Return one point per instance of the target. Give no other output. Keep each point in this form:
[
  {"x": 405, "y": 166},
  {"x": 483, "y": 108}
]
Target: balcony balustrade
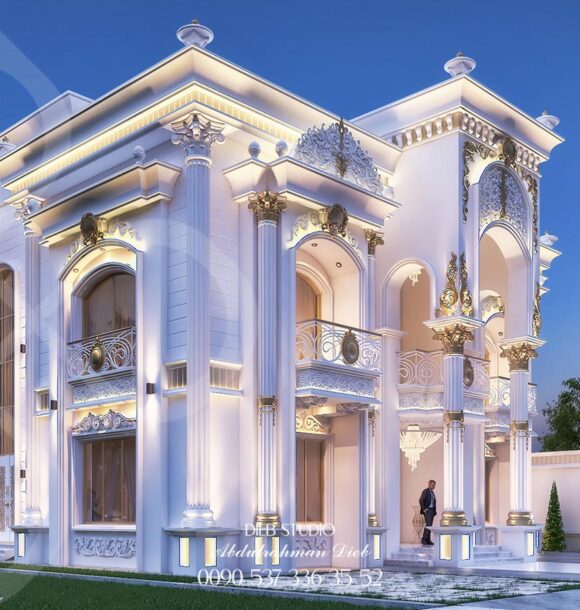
[
  {"x": 338, "y": 362},
  {"x": 102, "y": 368}
]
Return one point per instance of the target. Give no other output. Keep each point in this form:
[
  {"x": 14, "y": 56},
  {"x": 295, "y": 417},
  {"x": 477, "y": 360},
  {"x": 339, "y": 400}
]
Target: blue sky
[{"x": 348, "y": 57}]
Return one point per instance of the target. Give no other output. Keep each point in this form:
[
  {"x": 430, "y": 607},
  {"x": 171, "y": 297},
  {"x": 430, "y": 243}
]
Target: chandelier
[{"x": 414, "y": 442}]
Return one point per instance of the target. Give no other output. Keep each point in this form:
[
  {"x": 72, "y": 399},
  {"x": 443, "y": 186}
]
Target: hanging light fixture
[{"x": 414, "y": 441}]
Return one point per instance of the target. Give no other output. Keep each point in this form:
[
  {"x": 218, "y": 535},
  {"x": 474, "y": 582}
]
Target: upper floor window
[
  {"x": 110, "y": 305},
  {"x": 6, "y": 362}
]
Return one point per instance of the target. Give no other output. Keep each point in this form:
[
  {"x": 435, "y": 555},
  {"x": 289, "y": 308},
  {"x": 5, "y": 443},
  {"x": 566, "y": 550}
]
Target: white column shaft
[
  {"x": 453, "y": 441},
  {"x": 267, "y": 365},
  {"x": 520, "y": 443}
]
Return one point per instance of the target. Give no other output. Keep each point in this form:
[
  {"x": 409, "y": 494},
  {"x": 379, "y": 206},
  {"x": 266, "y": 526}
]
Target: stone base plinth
[
  {"x": 454, "y": 545},
  {"x": 522, "y": 540}
]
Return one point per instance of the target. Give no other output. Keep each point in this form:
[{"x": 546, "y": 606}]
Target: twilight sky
[{"x": 348, "y": 57}]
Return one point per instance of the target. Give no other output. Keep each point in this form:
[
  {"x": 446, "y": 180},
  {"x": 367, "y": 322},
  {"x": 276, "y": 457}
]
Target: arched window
[
  {"x": 6, "y": 362},
  {"x": 110, "y": 305}
]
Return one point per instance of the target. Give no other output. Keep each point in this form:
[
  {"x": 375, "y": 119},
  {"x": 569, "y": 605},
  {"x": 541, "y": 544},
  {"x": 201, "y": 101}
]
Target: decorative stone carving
[
  {"x": 491, "y": 306},
  {"x": 470, "y": 149},
  {"x": 112, "y": 229},
  {"x": 330, "y": 381},
  {"x": 267, "y": 404},
  {"x": 109, "y": 422},
  {"x": 333, "y": 149},
  {"x": 374, "y": 239},
  {"x": 312, "y": 222},
  {"x": 449, "y": 296},
  {"x": 103, "y": 389},
  {"x": 501, "y": 198},
  {"x": 197, "y": 133},
  {"x": 267, "y": 206},
  {"x": 453, "y": 338},
  {"x": 519, "y": 355},
  {"x": 310, "y": 424},
  {"x": 26, "y": 207},
  {"x": 88, "y": 546},
  {"x": 334, "y": 220},
  {"x": 536, "y": 315},
  {"x": 464, "y": 292},
  {"x": 425, "y": 401}
]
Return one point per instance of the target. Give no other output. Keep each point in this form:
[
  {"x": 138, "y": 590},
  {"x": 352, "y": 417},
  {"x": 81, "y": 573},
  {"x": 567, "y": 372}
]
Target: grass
[{"x": 24, "y": 591}]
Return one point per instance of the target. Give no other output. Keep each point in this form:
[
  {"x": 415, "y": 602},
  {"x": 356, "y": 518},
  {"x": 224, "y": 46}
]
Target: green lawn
[{"x": 23, "y": 591}]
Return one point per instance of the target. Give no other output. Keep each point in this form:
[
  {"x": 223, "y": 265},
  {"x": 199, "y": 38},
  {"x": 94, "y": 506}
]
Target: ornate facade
[{"x": 247, "y": 323}]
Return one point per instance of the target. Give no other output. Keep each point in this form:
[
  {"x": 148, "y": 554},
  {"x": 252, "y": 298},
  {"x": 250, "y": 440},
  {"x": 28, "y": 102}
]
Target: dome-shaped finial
[
  {"x": 194, "y": 34},
  {"x": 459, "y": 65},
  {"x": 548, "y": 120}
]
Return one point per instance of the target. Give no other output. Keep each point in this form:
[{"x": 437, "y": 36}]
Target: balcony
[
  {"x": 498, "y": 406},
  {"x": 336, "y": 363},
  {"x": 101, "y": 369},
  {"x": 421, "y": 382}
]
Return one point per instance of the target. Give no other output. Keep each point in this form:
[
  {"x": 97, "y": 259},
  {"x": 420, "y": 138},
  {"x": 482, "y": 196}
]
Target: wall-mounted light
[
  {"x": 22, "y": 473},
  {"x": 53, "y": 405},
  {"x": 150, "y": 388},
  {"x": 21, "y": 544},
  {"x": 23, "y": 348},
  {"x": 184, "y": 552}
]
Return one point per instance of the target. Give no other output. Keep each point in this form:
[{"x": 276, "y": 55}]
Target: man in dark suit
[{"x": 428, "y": 504}]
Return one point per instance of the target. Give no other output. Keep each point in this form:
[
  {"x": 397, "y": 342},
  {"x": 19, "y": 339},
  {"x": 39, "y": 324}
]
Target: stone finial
[
  {"x": 6, "y": 146},
  {"x": 194, "y": 35},
  {"x": 281, "y": 148},
  {"x": 139, "y": 154},
  {"x": 460, "y": 65},
  {"x": 548, "y": 120},
  {"x": 254, "y": 149}
]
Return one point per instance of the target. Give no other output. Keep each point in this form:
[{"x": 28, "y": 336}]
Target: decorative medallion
[
  {"x": 97, "y": 355},
  {"x": 350, "y": 348},
  {"x": 449, "y": 297},
  {"x": 464, "y": 292},
  {"x": 109, "y": 422},
  {"x": 90, "y": 229},
  {"x": 537, "y": 316},
  {"x": 508, "y": 151},
  {"x": 335, "y": 220},
  {"x": 519, "y": 356},
  {"x": 468, "y": 373},
  {"x": 333, "y": 149}
]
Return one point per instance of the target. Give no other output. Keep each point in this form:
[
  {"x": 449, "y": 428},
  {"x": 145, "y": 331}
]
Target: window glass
[
  {"x": 110, "y": 305},
  {"x": 109, "y": 481},
  {"x": 6, "y": 362}
]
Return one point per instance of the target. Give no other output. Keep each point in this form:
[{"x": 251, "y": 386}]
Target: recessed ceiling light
[
  {"x": 339, "y": 265},
  {"x": 314, "y": 244},
  {"x": 500, "y": 333}
]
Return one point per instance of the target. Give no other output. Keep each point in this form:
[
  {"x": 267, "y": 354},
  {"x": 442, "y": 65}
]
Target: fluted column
[
  {"x": 373, "y": 239},
  {"x": 32, "y": 514},
  {"x": 519, "y": 355},
  {"x": 267, "y": 206},
  {"x": 196, "y": 134},
  {"x": 453, "y": 340}
]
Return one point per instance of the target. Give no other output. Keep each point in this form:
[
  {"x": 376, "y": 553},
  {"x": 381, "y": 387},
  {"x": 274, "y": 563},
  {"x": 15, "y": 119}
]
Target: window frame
[{"x": 7, "y": 443}]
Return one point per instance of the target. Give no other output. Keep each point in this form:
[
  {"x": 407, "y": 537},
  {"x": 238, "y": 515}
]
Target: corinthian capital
[
  {"x": 26, "y": 206},
  {"x": 374, "y": 239},
  {"x": 519, "y": 355},
  {"x": 197, "y": 133},
  {"x": 453, "y": 338},
  {"x": 267, "y": 205}
]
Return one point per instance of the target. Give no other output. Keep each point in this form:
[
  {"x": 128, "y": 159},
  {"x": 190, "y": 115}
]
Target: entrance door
[{"x": 6, "y": 498}]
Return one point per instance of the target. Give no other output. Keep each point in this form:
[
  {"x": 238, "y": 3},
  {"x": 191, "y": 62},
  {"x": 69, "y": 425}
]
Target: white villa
[{"x": 238, "y": 331}]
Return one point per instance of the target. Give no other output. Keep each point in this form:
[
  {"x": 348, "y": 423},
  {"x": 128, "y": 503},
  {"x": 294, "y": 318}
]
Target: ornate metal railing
[
  {"x": 338, "y": 344},
  {"x": 499, "y": 394},
  {"x": 425, "y": 369},
  {"x": 112, "y": 351}
]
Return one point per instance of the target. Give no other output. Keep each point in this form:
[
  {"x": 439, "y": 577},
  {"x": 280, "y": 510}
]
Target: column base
[
  {"x": 197, "y": 517},
  {"x": 454, "y": 545},
  {"x": 267, "y": 520},
  {"x": 453, "y": 518},
  {"x": 520, "y": 518},
  {"x": 373, "y": 520},
  {"x": 522, "y": 540}
]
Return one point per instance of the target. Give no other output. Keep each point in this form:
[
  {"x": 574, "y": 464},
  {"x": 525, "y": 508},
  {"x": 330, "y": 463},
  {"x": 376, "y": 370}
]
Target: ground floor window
[
  {"x": 309, "y": 479},
  {"x": 109, "y": 481}
]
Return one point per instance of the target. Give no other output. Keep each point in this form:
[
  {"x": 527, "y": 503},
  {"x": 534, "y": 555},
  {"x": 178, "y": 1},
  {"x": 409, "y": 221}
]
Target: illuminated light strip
[{"x": 130, "y": 125}]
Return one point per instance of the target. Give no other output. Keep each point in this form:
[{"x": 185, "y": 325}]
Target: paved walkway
[{"x": 562, "y": 600}]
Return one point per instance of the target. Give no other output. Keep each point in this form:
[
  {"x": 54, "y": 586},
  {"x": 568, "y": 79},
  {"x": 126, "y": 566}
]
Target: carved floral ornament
[
  {"x": 453, "y": 338},
  {"x": 267, "y": 206},
  {"x": 333, "y": 149},
  {"x": 536, "y": 315},
  {"x": 374, "y": 239},
  {"x": 450, "y": 297},
  {"x": 109, "y": 422},
  {"x": 197, "y": 133},
  {"x": 500, "y": 195},
  {"x": 92, "y": 233},
  {"x": 519, "y": 355}
]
